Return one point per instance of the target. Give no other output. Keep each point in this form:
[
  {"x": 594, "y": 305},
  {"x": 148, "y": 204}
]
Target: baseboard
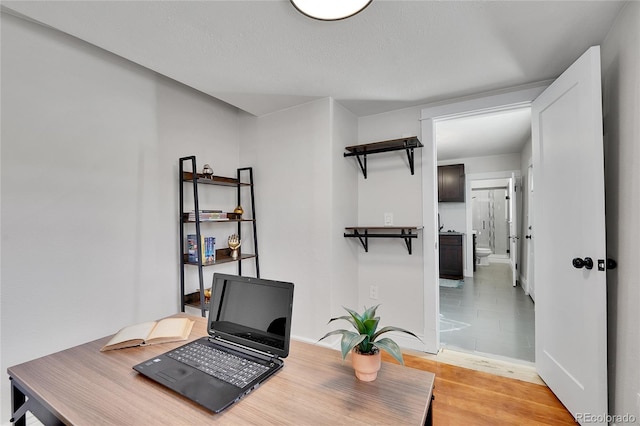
[
  {"x": 524, "y": 284},
  {"x": 403, "y": 340}
]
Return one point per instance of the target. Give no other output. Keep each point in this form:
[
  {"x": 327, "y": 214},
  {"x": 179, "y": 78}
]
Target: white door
[
  {"x": 570, "y": 318},
  {"x": 512, "y": 216}
]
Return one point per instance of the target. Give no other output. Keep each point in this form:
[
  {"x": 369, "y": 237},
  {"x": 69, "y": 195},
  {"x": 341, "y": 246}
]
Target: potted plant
[{"x": 365, "y": 344}]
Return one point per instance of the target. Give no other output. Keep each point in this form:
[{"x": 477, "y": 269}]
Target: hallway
[{"x": 488, "y": 315}]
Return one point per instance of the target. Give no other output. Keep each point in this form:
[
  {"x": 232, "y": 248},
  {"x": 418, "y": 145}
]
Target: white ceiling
[
  {"x": 491, "y": 133},
  {"x": 263, "y": 56}
]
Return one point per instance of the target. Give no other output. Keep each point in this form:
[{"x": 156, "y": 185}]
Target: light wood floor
[
  {"x": 469, "y": 397},
  {"x": 500, "y": 366}
]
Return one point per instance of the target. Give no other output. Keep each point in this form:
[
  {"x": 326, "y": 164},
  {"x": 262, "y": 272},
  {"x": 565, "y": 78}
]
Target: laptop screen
[{"x": 252, "y": 312}]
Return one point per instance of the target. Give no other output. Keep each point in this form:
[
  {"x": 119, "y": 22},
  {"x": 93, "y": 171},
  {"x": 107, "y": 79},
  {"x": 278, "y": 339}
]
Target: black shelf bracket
[
  {"x": 364, "y": 238},
  {"x": 363, "y": 235},
  {"x": 410, "y": 158},
  {"x": 361, "y": 151}
]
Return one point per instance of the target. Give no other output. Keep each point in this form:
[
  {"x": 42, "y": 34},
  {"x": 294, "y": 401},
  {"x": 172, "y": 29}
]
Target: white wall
[
  {"x": 344, "y": 212},
  {"x": 306, "y": 194},
  {"x": 90, "y": 147},
  {"x": 391, "y": 188},
  {"x": 621, "y": 109}
]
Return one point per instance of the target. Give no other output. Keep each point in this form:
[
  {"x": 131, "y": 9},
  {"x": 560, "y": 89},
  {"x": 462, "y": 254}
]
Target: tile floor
[{"x": 488, "y": 315}]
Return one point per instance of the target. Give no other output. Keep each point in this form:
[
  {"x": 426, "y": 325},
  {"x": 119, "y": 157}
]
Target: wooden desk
[{"x": 83, "y": 386}]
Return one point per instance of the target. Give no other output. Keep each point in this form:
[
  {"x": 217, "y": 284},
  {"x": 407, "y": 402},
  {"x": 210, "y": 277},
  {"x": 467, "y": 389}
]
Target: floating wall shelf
[
  {"x": 361, "y": 151},
  {"x": 407, "y": 233}
]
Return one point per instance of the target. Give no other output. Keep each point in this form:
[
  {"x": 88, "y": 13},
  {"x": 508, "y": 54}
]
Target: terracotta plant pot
[{"x": 366, "y": 366}]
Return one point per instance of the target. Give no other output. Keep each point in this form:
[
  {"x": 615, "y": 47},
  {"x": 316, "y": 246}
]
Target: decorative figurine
[
  {"x": 234, "y": 245},
  {"x": 207, "y": 295},
  {"x": 207, "y": 171},
  {"x": 239, "y": 211}
]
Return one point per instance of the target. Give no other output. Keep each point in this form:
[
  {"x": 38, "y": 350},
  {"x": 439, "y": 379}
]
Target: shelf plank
[
  {"x": 377, "y": 228},
  {"x": 213, "y": 180},
  {"x": 363, "y": 235},
  {"x": 220, "y": 220},
  {"x": 385, "y": 146},
  {"x": 220, "y": 258},
  {"x": 193, "y": 300}
]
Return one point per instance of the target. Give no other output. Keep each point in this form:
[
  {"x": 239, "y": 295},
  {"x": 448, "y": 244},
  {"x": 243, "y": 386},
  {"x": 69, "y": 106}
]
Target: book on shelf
[
  {"x": 150, "y": 333},
  {"x": 206, "y": 215},
  {"x": 210, "y": 249},
  {"x": 206, "y": 248}
]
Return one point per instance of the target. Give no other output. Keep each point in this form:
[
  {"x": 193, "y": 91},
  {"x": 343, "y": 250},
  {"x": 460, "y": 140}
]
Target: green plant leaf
[
  {"x": 391, "y": 347},
  {"x": 358, "y": 321},
  {"x": 370, "y": 326},
  {"x": 334, "y": 332},
  {"x": 391, "y": 328},
  {"x": 346, "y": 318},
  {"x": 369, "y": 312},
  {"x": 350, "y": 341}
]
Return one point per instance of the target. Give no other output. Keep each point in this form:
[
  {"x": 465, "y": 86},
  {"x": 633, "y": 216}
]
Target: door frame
[
  {"x": 516, "y": 98},
  {"x": 469, "y": 179},
  {"x": 530, "y": 278}
]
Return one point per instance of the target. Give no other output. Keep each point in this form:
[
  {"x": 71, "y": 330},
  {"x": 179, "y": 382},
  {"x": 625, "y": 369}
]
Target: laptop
[{"x": 249, "y": 330}]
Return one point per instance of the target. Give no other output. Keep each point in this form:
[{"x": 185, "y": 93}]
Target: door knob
[
  {"x": 587, "y": 262},
  {"x": 528, "y": 237}
]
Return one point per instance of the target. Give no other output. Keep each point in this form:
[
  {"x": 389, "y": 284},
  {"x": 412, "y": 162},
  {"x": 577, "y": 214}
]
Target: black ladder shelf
[{"x": 222, "y": 256}]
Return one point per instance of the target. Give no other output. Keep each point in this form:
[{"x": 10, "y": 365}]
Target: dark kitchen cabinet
[
  {"x": 451, "y": 256},
  {"x": 451, "y": 183}
]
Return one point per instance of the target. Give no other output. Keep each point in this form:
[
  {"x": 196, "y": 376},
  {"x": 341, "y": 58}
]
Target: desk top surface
[{"x": 84, "y": 386}]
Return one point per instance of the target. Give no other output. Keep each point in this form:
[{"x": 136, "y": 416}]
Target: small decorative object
[
  {"x": 207, "y": 171},
  {"x": 364, "y": 343},
  {"x": 234, "y": 245},
  {"x": 239, "y": 211},
  {"x": 207, "y": 295}
]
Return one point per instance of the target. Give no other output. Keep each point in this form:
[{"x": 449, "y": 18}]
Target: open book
[{"x": 150, "y": 333}]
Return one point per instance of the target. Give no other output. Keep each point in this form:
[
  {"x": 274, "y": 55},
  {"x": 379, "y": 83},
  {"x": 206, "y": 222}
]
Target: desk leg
[
  {"x": 19, "y": 405},
  {"x": 22, "y": 401},
  {"x": 429, "y": 420}
]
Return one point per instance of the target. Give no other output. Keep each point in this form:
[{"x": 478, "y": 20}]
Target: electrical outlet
[
  {"x": 373, "y": 292},
  {"x": 388, "y": 219}
]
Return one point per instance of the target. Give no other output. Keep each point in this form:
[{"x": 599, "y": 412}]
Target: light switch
[{"x": 388, "y": 219}]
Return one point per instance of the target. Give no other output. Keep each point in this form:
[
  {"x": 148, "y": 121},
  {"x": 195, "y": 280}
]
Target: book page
[
  {"x": 170, "y": 330},
  {"x": 132, "y": 335}
]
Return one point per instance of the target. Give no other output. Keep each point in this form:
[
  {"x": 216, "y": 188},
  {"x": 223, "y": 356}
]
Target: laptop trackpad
[{"x": 175, "y": 374}]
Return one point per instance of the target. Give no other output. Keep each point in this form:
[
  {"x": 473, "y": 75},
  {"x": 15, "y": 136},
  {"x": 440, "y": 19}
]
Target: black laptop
[{"x": 249, "y": 329}]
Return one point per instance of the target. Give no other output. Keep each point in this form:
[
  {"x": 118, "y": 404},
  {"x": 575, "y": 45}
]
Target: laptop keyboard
[{"x": 222, "y": 365}]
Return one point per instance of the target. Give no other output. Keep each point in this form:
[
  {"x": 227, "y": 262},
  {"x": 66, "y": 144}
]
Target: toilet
[{"x": 482, "y": 255}]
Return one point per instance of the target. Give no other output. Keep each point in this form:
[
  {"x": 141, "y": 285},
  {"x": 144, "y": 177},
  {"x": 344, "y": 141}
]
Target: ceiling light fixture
[{"x": 330, "y": 10}]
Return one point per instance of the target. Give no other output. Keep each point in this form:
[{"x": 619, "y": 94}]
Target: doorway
[
  {"x": 490, "y": 223},
  {"x": 488, "y": 314},
  {"x": 517, "y": 98}
]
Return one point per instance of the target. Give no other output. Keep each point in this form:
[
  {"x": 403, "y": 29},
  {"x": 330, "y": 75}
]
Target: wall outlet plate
[
  {"x": 388, "y": 219},
  {"x": 373, "y": 292}
]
